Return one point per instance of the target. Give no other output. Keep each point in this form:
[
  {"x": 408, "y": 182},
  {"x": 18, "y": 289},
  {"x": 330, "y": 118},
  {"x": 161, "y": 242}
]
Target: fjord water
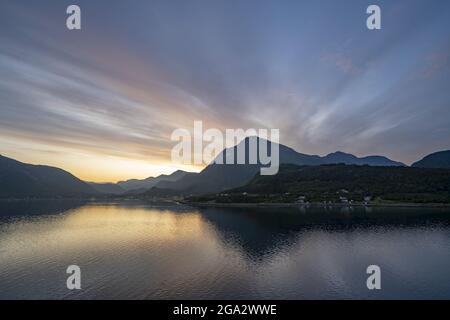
[{"x": 142, "y": 251}]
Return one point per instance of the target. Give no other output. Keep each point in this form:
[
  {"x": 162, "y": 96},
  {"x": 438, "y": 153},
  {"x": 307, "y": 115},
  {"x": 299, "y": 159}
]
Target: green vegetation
[{"x": 341, "y": 183}]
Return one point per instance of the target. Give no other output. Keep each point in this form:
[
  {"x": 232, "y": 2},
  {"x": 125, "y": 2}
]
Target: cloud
[{"x": 119, "y": 87}]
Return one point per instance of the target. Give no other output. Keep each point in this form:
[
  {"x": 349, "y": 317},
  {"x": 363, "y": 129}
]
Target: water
[{"x": 140, "y": 251}]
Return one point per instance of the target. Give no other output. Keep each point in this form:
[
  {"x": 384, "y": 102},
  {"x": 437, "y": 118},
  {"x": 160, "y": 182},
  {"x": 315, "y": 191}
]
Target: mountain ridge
[
  {"x": 218, "y": 177},
  {"x": 21, "y": 180},
  {"x": 439, "y": 159},
  {"x": 107, "y": 187},
  {"x": 147, "y": 183}
]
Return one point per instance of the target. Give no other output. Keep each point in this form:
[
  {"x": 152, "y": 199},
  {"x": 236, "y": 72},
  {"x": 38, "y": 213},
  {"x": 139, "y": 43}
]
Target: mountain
[
  {"x": 20, "y": 180},
  {"x": 219, "y": 177},
  {"x": 341, "y": 157},
  {"x": 107, "y": 188},
  {"x": 341, "y": 182},
  {"x": 435, "y": 160},
  {"x": 158, "y": 192},
  {"x": 147, "y": 183}
]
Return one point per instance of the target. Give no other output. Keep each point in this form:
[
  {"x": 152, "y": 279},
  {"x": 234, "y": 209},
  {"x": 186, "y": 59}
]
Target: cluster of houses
[
  {"x": 342, "y": 199},
  {"x": 302, "y": 199}
]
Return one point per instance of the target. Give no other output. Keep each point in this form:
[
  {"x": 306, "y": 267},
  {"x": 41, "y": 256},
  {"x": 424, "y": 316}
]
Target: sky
[{"x": 102, "y": 102}]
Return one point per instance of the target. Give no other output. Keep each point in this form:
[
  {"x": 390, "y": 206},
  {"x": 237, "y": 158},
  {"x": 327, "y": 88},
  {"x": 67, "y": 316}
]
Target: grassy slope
[{"x": 330, "y": 182}]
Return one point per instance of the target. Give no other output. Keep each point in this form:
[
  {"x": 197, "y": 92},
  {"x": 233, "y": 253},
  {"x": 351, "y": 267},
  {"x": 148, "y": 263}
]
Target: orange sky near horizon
[{"x": 91, "y": 166}]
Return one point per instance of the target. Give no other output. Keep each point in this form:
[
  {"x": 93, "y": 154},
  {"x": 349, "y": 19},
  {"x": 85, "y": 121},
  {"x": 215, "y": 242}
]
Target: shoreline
[
  {"x": 240, "y": 204},
  {"x": 316, "y": 204}
]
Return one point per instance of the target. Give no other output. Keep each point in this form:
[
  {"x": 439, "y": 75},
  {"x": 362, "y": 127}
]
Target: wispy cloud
[{"x": 117, "y": 89}]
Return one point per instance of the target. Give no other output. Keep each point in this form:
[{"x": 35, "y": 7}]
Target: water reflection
[
  {"x": 261, "y": 230},
  {"x": 138, "y": 251}
]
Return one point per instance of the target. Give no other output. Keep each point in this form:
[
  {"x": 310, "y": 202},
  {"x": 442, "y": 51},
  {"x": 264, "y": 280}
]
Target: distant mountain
[
  {"x": 150, "y": 182},
  {"x": 219, "y": 177},
  {"x": 158, "y": 192},
  {"x": 107, "y": 188},
  {"x": 212, "y": 179},
  {"x": 435, "y": 160},
  {"x": 20, "y": 180},
  {"x": 341, "y": 157}
]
